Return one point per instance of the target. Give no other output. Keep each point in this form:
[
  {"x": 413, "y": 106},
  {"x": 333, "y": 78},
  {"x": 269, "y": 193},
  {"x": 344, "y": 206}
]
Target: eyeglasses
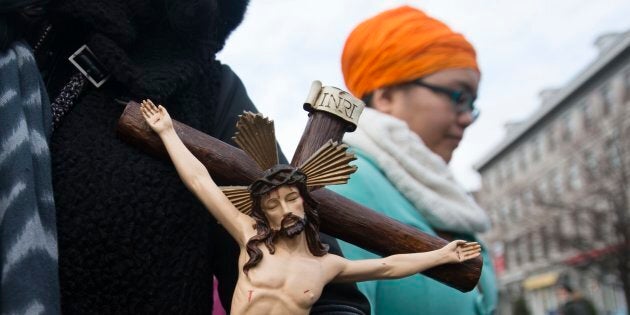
[{"x": 463, "y": 101}]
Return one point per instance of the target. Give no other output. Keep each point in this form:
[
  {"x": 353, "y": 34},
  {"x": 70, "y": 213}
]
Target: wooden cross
[{"x": 332, "y": 112}]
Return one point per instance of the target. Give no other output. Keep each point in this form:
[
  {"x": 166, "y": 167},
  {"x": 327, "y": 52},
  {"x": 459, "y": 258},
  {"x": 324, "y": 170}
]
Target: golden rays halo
[
  {"x": 329, "y": 165},
  {"x": 255, "y": 134},
  {"x": 239, "y": 196}
]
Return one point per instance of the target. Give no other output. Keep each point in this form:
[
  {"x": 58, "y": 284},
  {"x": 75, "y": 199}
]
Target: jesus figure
[{"x": 284, "y": 265}]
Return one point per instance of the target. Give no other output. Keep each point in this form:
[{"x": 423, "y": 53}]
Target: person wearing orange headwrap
[
  {"x": 419, "y": 80},
  {"x": 401, "y": 45}
]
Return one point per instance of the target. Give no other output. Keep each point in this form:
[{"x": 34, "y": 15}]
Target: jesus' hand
[
  {"x": 156, "y": 117},
  {"x": 460, "y": 251}
]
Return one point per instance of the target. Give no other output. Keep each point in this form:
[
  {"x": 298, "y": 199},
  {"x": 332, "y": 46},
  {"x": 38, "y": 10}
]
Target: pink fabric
[{"x": 217, "y": 308}]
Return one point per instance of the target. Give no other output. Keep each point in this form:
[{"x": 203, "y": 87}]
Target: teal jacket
[{"x": 416, "y": 294}]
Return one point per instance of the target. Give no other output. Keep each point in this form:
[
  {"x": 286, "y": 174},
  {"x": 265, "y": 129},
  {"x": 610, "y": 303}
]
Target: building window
[
  {"x": 558, "y": 235},
  {"x": 543, "y": 192},
  {"x": 501, "y": 214},
  {"x": 491, "y": 179},
  {"x": 486, "y": 179},
  {"x": 498, "y": 176},
  {"x": 590, "y": 163},
  {"x": 507, "y": 252},
  {"x": 485, "y": 182},
  {"x": 551, "y": 143},
  {"x": 528, "y": 198},
  {"x": 517, "y": 208},
  {"x": 517, "y": 252},
  {"x": 613, "y": 154},
  {"x": 522, "y": 161},
  {"x": 558, "y": 182},
  {"x": 496, "y": 216},
  {"x": 504, "y": 212},
  {"x": 535, "y": 147},
  {"x": 626, "y": 84},
  {"x": 544, "y": 241},
  {"x": 587, "y": 227},
  {"x": 507, "y": 170},
  {"x": 567, "y": 132},
  {"x": 507, "y": 164},
  {"x": 608, "y": 98},
  {"x": 541, "y": 144},
  {"x": 577, "y": 226},
  {"x": 575, "y": 181},
  {"x": 525, "y": 248},
  {"x": 608, "y": 227},
  {"x": 515, "y": 164},
  {"x": 530, "y": 247},
  {"x": 587, "y": 115}
]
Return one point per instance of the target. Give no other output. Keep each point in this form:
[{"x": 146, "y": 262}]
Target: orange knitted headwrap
[{"x": 401, "y": 45}]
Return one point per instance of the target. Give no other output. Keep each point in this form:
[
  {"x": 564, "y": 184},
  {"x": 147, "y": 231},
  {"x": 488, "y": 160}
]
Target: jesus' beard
[{"x": 291, "y": 226}]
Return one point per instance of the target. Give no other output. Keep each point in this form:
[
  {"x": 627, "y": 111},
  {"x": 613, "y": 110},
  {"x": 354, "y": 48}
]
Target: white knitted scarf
[{"x": 419, "y": 174}]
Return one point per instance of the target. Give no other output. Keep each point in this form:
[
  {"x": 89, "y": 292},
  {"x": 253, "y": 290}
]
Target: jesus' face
[{"x": 284, "y": 209}]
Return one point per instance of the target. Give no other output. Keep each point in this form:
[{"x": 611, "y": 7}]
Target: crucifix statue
[
  {"x": 332, "y": 112},
  {"x": 285, "y": 266}
]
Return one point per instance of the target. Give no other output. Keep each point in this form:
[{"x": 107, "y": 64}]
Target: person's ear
[{"x": 382, "y": 100}]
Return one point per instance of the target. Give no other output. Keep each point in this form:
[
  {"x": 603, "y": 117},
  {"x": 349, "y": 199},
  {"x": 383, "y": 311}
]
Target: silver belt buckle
[{"x": 87, "y": 63}]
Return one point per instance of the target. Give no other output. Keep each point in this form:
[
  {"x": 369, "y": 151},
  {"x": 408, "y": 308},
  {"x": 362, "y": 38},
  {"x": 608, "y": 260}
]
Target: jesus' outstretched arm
[
  {"x": 402, "y": 265},
  {"x": 195, "y": 176}
]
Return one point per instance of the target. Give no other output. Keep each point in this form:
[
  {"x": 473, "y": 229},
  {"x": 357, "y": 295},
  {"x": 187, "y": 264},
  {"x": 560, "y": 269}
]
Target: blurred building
[{"x": 542, "y": 186}]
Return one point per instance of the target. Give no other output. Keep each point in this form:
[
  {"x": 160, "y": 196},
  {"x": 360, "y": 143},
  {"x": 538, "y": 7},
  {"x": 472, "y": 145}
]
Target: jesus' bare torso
[{"x": 288, "y": 282}]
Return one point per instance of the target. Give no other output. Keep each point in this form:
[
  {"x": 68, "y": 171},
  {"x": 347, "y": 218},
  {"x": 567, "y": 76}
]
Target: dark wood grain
[{"x": 320, "y": 128}]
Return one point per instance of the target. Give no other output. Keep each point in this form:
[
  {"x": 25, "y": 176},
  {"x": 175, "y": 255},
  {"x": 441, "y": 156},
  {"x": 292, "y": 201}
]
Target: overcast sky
[{"x": 522, "y": 46}]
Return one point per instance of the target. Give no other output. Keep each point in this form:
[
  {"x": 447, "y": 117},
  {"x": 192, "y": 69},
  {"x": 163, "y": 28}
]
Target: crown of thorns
[{"x": 329, "y": 165}]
